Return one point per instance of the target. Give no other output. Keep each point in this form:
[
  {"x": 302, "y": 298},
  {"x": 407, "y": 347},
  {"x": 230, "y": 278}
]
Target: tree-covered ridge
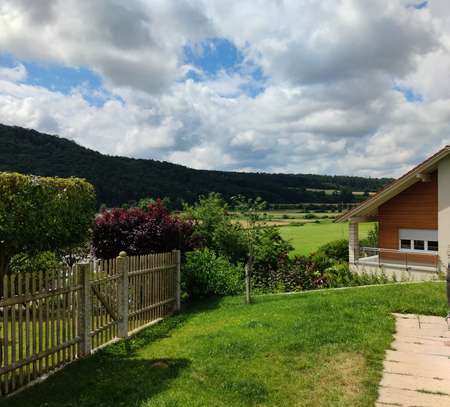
[{"x": 119, "y": 179}]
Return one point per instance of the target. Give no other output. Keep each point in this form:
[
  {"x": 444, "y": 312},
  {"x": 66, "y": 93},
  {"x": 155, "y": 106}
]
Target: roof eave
[{"x": 367, "y": 207}]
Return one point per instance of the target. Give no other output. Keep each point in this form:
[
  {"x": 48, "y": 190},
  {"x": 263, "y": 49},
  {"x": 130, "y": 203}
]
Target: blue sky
[
  {"x": 210, "y": 57},
  {"x": 60, "y": 78},
  {"x": 409, "y": 94},
  {"x": 336, "y": 87}
]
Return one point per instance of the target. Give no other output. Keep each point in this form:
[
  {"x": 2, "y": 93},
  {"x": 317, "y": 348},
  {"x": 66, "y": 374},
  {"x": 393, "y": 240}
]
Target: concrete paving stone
[
  {"x": 408, "y": 369},
  {"x": 410, "y": 398},
  {"x": 432, "y": 340},
  {"x": 416, "y": 383},
  {"x": 417, "y": 368},
  {"x": 419, "y": 359},
  {"x": 436, "y": 350},
  {"x": 425, "y": 333}
]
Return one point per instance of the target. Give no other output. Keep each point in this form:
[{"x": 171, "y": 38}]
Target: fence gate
[
  {"x": 105, "y": 294},
  {"x": 50, "y": 319}
]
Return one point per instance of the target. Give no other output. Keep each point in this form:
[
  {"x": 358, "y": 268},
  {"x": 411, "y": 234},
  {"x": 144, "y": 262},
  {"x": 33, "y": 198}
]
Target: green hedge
[{"x": 43, "y": 214}]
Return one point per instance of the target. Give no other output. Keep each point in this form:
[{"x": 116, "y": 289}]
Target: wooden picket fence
[{"x": 48, "y": 320}]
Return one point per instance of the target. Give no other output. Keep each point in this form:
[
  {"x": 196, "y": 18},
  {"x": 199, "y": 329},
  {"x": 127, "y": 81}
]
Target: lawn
[
  {"x": 311, "y": 236},
  {"x": 322, "y": 348}
]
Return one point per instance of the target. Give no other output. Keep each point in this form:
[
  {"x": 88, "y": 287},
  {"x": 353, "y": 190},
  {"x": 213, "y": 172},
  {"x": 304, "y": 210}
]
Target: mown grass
[
  {"x": 309, "y": 237},
  {"x": 322, "y": 348}
]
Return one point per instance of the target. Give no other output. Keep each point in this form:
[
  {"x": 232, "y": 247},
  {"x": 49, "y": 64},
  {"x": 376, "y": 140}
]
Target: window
[
  {"x": 432, "y": 246},
  {"x": 422, "y": 240},
  {"x": 405, "y": 244}
]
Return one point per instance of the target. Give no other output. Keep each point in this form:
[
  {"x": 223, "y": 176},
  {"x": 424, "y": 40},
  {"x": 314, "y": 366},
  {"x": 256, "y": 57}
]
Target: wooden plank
[
  {"x": 152, "y": 269},
  {"x": 38, "y": 356},
  {"x": 6, "y": 335},
  {"x": 156, "y": 305},
  {"x": 13, "y": 331}
]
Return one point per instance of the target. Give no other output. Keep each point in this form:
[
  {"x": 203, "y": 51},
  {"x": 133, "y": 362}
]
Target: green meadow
[{"x": 310, "y": 236}]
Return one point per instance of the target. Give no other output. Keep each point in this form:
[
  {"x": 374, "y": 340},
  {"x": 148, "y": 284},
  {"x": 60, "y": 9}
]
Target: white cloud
[
  {"x": 14, "y": 74},
  {"x": 329, "y": 105}
]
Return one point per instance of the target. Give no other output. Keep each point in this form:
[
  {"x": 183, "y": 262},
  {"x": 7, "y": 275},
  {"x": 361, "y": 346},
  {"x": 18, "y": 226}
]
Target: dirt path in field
[{"x": 417, "y": 369}]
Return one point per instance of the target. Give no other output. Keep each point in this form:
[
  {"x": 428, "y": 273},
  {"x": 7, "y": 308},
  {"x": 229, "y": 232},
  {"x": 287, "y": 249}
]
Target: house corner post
[
  {"x": 178, "y": 280},
  {"x": 122, "y": 270},
  {"x": 448, "y": 289},
  {"x": 353, "y": 242},
  {"x": 84, "y": 318}
]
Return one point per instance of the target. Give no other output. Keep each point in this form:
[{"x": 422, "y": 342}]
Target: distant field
[
  {"x": 309, "y": 237},
  {"x": 290, "y": 217}
]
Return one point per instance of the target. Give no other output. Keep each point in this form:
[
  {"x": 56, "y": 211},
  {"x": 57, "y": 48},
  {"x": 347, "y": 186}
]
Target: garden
[
  {"x": 47, "y": 222},
  {"x": 317, "y": 348},
  {"x": 313, "y": 347}
]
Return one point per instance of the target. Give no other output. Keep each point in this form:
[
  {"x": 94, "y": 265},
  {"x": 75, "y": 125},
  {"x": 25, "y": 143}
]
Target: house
[{"x": 413, "y": 215}]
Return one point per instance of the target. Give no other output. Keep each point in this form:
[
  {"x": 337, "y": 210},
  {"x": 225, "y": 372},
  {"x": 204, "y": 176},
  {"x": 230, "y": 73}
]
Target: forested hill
[{"x": 120, "y": 180}]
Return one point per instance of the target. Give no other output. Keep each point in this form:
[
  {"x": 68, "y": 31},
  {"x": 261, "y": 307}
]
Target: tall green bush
[
  {"x": 43, "y": 214},
  {"x": 207, "y": 274},
  {"x": 214, "y": 228},
  {"x": 336, "y": 250}
]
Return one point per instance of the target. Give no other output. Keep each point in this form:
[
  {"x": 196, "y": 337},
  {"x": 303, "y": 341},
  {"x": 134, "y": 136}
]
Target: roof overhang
[{"x": 369, "y": 208}]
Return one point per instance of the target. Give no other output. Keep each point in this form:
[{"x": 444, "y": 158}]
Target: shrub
[
  {"x": 271, "y": 254},
  {"x": 139, "y": 231},
  {"x": 38, "y": 263},
  {"x": 372, "y": 237},
  {"x": 43, "y": 214},
  {"x": 207, "y": 274},
  {"x": 297, "y": 274},
  {"x": 310, "y": 216},
  {"x": 336, "y": 250},
  {"x": 214, "y": 228},
  {"x": 339, "y": 275}
]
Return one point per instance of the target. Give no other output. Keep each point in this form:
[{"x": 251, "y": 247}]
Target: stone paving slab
[
  {"x": 434, "y": 385},
  {"x": 401, "y": 397},
  {"x": 439, "y": 349},
  {"x": 417, "y": 368}
]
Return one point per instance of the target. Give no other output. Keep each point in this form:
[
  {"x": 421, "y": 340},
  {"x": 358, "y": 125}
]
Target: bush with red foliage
[{"x": 138, "y": 231}]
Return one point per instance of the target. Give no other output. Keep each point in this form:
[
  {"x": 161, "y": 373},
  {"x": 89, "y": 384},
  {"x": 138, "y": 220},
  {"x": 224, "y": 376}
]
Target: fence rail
[{"x": 50, "y": 319}]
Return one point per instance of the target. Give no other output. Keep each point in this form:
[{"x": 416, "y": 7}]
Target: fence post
[
  {"x": 84, "y": 319},
  {"x": 178, "y": 280},
  {"x": 122, "y": 269}
]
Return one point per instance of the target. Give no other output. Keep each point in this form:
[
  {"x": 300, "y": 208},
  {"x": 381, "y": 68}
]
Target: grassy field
[
  {"x": 307, "y": 231},
  {"x": 322, "y": 348},
  {"x": 311, "y": 236}
]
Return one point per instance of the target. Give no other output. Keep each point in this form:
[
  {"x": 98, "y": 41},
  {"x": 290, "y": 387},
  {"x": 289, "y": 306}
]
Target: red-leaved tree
[{"x": 138, "y": 231}]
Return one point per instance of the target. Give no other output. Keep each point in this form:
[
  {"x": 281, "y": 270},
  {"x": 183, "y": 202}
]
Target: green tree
[
  {"x": 252, "y": 211},
  {"x": 215, "y": 229},
  {"x": 40, "y": 214}
]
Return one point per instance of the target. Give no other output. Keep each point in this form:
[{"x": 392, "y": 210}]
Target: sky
[{"x": 295, "y": 86}]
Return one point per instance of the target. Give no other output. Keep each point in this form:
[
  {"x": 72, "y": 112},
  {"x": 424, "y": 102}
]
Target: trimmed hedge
[{"x": 43, "y": 214}]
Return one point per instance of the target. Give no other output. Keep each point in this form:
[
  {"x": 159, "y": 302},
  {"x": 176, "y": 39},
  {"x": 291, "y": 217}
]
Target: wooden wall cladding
[{"x": 414, "y": 208}]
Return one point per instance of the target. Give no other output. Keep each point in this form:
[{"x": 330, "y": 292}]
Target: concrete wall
[
  {"x": 444, "y": 209},
  {"x": 391, "y": 270}
]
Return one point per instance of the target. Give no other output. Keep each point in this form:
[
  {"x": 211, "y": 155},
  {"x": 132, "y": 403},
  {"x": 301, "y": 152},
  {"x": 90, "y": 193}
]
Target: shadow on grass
[
  {"x": 114, "y": 376},
  {"x": 112, "y": 382}
]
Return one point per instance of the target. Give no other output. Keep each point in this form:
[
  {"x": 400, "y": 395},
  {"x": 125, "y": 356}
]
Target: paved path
[{"x": 417, "y": 369}]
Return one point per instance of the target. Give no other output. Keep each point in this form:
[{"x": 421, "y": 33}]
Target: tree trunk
[{"x": 248, "y": 280}]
